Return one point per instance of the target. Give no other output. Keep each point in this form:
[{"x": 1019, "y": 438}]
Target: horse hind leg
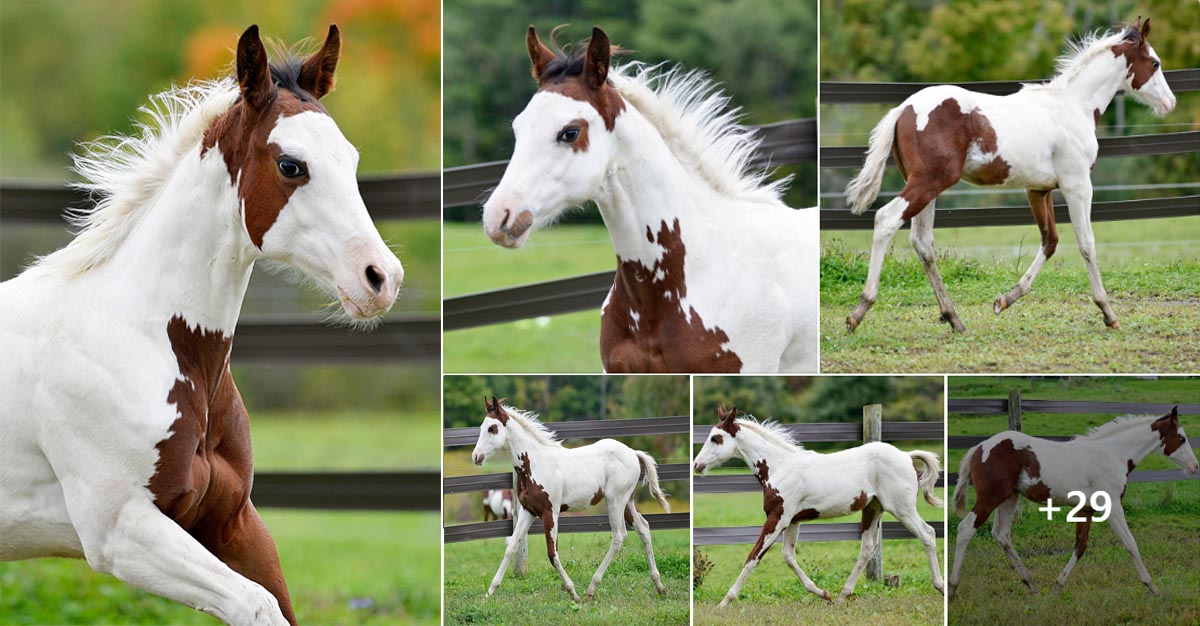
[
  {"x": 908, "y": 515},
  {"x": 616, "y": 520},
  {"x": 1002, "y": 531},
  {"x": 921, "y": 236},
  {"x": 915, "y": 197},
  {"x": 872, "y": 517},
  {"x": 642, "y": 528},
  {"x": 1042, "y": 204}
]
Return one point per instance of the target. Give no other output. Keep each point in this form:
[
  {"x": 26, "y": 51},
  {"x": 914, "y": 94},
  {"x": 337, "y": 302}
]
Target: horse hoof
[
  {"x": 1115, "y": 325},
  {"x": 851, "y": 323},
  {"x": 1000, "y": 304}
]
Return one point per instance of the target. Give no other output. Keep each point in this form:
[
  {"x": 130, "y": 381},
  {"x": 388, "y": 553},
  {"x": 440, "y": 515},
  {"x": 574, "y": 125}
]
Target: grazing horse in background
[
  {"x": 800, "y": 485},
  {"x": 497, "y": 504},
  {"x": 1039, "y": 139},
  {"x": 714, "y": 272},
  {"x": 552, "y": 479},
  {"x": 1012, "y": 464},
  {"x": 123, "y": 439}
]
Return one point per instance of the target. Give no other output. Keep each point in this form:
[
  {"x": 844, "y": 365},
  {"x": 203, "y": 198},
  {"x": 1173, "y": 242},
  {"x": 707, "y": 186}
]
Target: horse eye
[
  {"x": 492, "y": 429},
  {"x": 290, "y": 168},
  {"x": 713, "y": 439},
  {"x": 568, "y": 134},
  {"x": 1155, "y": 64}
]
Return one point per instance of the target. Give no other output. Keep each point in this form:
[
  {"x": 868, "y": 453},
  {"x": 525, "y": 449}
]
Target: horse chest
[
  {"x": 204, "y": 469},
  {"x": 530, "y": 493}
]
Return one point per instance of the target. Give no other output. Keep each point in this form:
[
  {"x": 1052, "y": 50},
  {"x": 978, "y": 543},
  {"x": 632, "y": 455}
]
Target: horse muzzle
[
  {"x": 508, "y": 228},
  {"x": 477, "y": 458},
  {"x": 700, "y": 468}
]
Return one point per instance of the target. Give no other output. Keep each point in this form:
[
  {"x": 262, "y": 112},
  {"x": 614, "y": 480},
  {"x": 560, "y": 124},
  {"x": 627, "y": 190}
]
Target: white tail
[
  {"x": 964, "y": 479},
  {"x": 652, "y": 479},
  {"x": 861, "y": 191},
  {"x": 927, "y": 479}
]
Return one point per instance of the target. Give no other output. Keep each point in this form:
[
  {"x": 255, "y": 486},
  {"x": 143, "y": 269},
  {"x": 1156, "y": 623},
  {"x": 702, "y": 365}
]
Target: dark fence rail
[
  {"x": 566, "y": 524},
  {"x": 292, "y": 340},
  {"x": 868, "y": 93},
  {"x": 843, "y": 531},
  {"x": 998, "y": 406},
  {"x": 346, "y": 491},
  {"x": 554, "y": 297}
]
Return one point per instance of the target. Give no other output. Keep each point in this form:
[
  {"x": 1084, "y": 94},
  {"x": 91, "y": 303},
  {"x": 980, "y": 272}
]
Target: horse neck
[
  {"x": 520, "y": 442},
  {"x": 753, "y": 447},
  {"x": 1134, "y": 443},
  {"x": 647, "y": 189},
  {"x": 1097, "y": 83},
  {"x": 189, "y": 255}
]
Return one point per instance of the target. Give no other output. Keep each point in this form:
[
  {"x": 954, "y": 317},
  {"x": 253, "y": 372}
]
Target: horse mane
[
  {"x": 1078, "y": 54},
  {"x": 771, "y": 431},
  {"x": 1117, "y": 425},
  {"x": 529, "y": 421},
  {"x": 122, "y": 173},
  {"x": 692, "y": 114}
]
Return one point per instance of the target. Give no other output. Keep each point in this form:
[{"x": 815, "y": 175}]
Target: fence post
[
  {"x": 1014, "y": 423},
  {"x": 873, "y": 431},
  {"x": 520, "y": 563}
]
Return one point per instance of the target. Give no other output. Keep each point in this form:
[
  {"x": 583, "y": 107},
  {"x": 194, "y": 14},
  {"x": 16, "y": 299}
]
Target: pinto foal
[
  {"x": 1039, "y": 139},
  {"x": 1012, "y": 464},
  {"x": 800, "y": 485},
  {"x": 552, "y": 479}
]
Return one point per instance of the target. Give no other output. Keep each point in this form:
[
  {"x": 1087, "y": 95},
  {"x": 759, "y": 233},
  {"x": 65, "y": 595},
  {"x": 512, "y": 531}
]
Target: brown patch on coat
[
  {"x": 1041, "y": 202},
  {"x": 563, "y": 508},
  {"x": 869, "y": 514},
  {"x": 205, "y": 470},
  {"x": 727, "y": 421},
  {"x": 581, "y": 143},
  {"x": 532, "y": 496},
  {"x": 664, "y": 338},
  {"x": 1096, "y": 118},
  {"x": 934, "y": 157},
  {"x": 762, "y": 472},
  {"x": 1081, "y": 531},
  {"x": 805, "y": 515},
  {"x": 1167, "y": 428},
  {"x": 718, "y": 439},
  {"x": 773, "y": 507},
  {"x": 1138, "y": 60},
  {"x": 495, "y": 410},
  {"x": 999, "y": 478},
  {"x": 860, "y": 502},
  {"x": 597, "y": 497}
]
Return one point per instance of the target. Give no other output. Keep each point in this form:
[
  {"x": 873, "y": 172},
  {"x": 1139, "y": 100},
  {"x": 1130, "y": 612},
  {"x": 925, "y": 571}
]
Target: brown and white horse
[
  {"x": 497, "y": 504},
  {"x": 714, "y": 272},
  {"x": 1012, "y": 464},
  {"x": 1039, "y": 139},
  {"x": 123, "y": 438}
]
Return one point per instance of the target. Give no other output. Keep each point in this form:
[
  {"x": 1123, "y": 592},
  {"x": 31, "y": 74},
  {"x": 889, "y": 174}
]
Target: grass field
[
  {"x": 341, "y": 567},
  {"x": 1055, "y": 328},
  {"x": 1104, "y": 587},
  {"x": 625, "y": 596},
  {"x": 773, "y": 594},
  {"x": 562, "y": 343}
]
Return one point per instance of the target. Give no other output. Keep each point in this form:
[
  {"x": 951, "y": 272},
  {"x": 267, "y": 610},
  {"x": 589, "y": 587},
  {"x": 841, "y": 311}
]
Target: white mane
[
  {"x": 771, "y": 431},
  {"x": 1118, "y": 425},
  {"x": 531, "y": 424},
  {"x": 692, "y": 115},
  {"x": 123, "y": 173},
  {"x": 1079, "y": 54}
]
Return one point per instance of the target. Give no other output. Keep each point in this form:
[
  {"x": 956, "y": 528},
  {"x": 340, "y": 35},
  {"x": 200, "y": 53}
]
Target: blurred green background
[
  {"x": 71, "y": 71},
  {"x": 763, "y": 53}
]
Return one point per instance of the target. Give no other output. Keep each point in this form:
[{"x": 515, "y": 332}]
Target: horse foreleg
[
  {"x": 770, "y": 532},
  {"x": 244, "y": 544},
  {"x": 1079, "y": 201},
  {"x": 911, "y": 519},
  {"x": 921, "y": 235},
  {"x": 1081, "y": 538},
  {"x": 550, "y": 522},
  {"x": 1002, "y": 531},
  {"x": 1042, "y": 204},
  {"x": 515, "y": 542},
  {"x": 871, "y": 519},
  {"x": 616, "y": 521},
  {"x": 642, "y": 528},
  {"x": 789, "y": 557},
  {"x": 1116, "y": 521}
]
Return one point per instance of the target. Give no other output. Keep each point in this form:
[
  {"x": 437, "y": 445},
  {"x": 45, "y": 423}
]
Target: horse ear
[
  {"x": 1175, "y": 413},
  {"x": 487, "y": 407},
  {"x": 253, "y": 71},
  {"x": 720, "y": 413},
  {"x": 495, "y": 403},
  {"x": 317, "y": 72},
  {"x": 539, "y": 54},
  {"x": 599, "y": 55},
  {"x": 1145, "y": 28}
]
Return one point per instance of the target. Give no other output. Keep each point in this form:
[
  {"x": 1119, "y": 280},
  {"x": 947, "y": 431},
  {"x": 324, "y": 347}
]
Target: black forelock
[{"x": 285, "y": 73}]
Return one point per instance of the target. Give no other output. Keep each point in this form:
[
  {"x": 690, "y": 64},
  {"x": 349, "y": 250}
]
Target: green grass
[
  {"x": 388, "y": 563},
  {"x": 625, "y": 596},
  {"x": 562, "y": 343},
  {"x": 1104, "y": 587},
  {"x": 1055, "y": 328},
  {"x": 773, "y": 594}
]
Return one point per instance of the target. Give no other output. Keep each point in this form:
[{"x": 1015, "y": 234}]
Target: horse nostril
[
  {"x": 375, "y": 278},
  {"x": 504, "y": 221}
]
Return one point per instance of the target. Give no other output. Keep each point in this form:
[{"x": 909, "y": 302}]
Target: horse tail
[
  {"x": 652, "y": 479},
  {"x": 927, "y": 479},
  {"x": 964, "y": 479},
  {"x": 861, "y": 191}
]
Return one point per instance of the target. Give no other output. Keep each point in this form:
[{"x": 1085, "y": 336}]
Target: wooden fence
[{"x": 872, "y": 428}]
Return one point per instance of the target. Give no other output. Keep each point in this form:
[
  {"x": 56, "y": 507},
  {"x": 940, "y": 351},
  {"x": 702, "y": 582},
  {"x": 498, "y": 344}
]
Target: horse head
[
  {"x": 1173, "y": 442},
  {"x": 720, "y": 445},
  {"x": 493, "y": 432},
  {"x": 1144, "y": 78}
]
